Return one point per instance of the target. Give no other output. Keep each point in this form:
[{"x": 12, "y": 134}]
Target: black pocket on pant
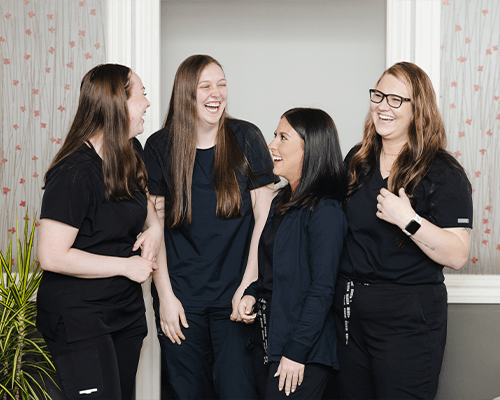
[{"x": 80, "y": 374}]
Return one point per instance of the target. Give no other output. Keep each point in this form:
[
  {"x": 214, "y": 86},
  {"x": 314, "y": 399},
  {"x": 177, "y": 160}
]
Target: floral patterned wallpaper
[
  {"x": 470, "y": 105},
  {"x": 46, "y": 46}
]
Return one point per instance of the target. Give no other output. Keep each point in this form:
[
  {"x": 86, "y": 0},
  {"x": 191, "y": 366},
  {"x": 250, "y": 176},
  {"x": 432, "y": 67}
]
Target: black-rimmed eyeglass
[{"x": 394, "y": 100}]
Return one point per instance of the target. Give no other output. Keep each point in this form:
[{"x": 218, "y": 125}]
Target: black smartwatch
[{"x": 413, "y": 226}]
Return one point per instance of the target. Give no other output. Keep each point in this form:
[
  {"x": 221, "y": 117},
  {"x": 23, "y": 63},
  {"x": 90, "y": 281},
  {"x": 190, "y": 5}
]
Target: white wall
[{"x": 279, "y": 54}]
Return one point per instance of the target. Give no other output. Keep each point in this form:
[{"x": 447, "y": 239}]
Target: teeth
[
  {"x": 277, "y": 158},
  {"x": 214, "y": 105},
  {"x": 385, "y": 118}
]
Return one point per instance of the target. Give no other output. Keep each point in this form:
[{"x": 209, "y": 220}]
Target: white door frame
[
  {"x": 413, "y": 34},
  {"x": 133, "y": 39}
]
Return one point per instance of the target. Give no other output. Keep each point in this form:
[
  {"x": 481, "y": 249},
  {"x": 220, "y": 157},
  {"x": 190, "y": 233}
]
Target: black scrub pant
[
  {"x": 103, "y": 367},
  {"x": 396, "y": 340},
  {"x": 213, "y": 356}
]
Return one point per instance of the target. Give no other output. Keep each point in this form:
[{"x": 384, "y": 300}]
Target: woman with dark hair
[
  {"x": 212, "y": 180},
  {"x": 90, "y": 303},
  {"x": 299, "y": 251},
  {"x": 409, "y": 211}
]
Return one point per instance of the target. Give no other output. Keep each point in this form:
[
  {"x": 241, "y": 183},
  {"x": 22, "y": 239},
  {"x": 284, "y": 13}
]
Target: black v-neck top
[
  {"x": 207, "y": 258},
  {"x": 371, "y": 252},
  {"x": 75, "y": 195}
]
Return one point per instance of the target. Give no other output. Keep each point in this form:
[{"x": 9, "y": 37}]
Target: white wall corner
[{"x": 133, "y": 39}]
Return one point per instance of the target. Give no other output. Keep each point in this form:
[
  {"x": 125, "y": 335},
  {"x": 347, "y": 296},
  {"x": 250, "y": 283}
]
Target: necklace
[{"x": 385, "y": 160}]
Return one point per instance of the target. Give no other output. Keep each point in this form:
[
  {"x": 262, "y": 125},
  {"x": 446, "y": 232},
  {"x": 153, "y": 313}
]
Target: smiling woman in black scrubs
[
  {"x": 409, "y": 211},
  {"x": 90, "y": 302},
  {"x": 295, "y": 347},
  {"x": 212, "y": 179}
]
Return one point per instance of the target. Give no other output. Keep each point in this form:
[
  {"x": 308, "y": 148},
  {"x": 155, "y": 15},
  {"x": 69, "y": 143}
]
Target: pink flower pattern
[
  {"x": 46, "y": 40},
  {"x": 469, "y": 81}
]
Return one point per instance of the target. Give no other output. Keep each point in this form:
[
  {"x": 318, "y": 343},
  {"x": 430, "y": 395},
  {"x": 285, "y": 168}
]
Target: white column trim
[
  {"x": 399, "y": 24},
  {"x": 473, "y": 289},
  {"x": 146, "y": 59},
  {"x": 428, "y": 40},
  {"x": 413, "y": 34},
  {"x": 119, "y": 34},
  {"x": 133, "y": 39}
]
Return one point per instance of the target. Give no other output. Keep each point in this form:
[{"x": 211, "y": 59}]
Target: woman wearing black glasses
[{"x": 409, "y": 211}]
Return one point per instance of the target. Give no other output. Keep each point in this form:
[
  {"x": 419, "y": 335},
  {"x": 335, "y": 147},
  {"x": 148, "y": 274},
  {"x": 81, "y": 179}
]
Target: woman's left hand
[
  {"x": 150, "y": 240},
  {"x": 291, "y": 374},
  {"x": 394, "y": 209}
]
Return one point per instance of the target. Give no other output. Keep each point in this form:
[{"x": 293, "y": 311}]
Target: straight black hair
[{"x": 323, "y": 171}]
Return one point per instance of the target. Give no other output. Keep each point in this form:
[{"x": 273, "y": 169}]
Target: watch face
[{"x": 412, "y": 227}]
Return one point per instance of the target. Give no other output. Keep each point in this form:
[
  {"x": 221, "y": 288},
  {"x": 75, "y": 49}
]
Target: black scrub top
[
  {"x": 75, "y": 195},
  {"x": 207, "y": 258},
  {"x": 266, "y": 252},
  {"x": 372, "y": 251}
]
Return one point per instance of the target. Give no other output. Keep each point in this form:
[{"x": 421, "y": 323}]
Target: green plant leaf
[{"x": 23, "y": 358}]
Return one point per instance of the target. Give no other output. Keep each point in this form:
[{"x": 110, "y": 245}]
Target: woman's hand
[
  {"x": 445, "y": 246},
  {"x": 139, "y": 269},
  {"x": 235, "y": 315},
  {"x": 245, "y": 310},
  {"x": 150, "y": 241},
  {"x": 291, "y": 374},
  {"x": 171, "y": 312},
  {"x": 394, "y": 209}
]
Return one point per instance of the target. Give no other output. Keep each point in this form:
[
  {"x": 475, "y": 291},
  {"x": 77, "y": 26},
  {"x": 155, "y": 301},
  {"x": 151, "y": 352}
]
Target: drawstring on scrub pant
[{"x": 263, "y": 313}]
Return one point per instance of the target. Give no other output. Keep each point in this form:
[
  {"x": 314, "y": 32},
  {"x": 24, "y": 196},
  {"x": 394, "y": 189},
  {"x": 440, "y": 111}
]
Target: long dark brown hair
[
  {"x": 426, "y": 136},
  {"x": 323, "y": 171},
  {"x": 102, "y": 109},
  {"x": 180, "y": 123}
]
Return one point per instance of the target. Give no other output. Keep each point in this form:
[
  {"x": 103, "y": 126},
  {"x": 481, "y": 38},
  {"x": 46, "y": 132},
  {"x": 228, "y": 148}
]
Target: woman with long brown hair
[
  {"x": 212, "y": 179},
  {"x": 90, "y": 303},
  {"x": 409, "y": 212}
]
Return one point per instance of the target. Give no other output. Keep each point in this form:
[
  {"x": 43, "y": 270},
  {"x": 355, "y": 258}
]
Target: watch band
[{"x": 413, "y": 226}]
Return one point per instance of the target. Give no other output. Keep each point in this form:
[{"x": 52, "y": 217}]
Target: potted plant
[{"x": 25, "y": 362}]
